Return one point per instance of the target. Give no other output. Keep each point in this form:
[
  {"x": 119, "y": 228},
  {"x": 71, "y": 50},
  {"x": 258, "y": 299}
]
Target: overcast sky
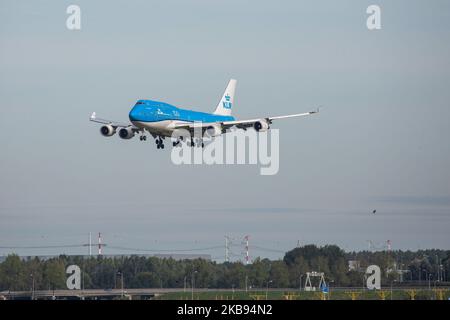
[{"x": 380, "y": 142}]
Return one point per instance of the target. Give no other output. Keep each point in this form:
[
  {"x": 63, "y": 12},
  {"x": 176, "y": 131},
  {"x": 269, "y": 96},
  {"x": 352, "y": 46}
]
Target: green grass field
[{"x": 417, "y": 294}]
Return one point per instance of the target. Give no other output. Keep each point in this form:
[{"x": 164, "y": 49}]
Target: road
[{"x": 152, "y": 292}]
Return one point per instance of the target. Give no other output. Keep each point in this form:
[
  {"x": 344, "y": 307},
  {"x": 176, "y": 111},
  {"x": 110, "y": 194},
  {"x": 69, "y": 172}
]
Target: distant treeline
[{"x": 422, "y": 266}]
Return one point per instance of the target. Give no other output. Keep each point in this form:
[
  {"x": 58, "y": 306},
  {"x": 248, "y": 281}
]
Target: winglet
[{"x": 92, "y": 116}]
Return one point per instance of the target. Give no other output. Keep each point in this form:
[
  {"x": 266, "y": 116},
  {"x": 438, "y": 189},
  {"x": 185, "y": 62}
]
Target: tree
[
  {"x": 54, "y": 274},
  {"x": 259, "y": 272},
  {"x": 298, "y": 270},
  {"x": 145, "y": 280},
  {"x": 232, "y": 274},
  {"x": 100, "y": 272},
  {"x": 339, "y": 271},
  {"x": 279, "y": 274},
  {"x": 12, "y": 273}
]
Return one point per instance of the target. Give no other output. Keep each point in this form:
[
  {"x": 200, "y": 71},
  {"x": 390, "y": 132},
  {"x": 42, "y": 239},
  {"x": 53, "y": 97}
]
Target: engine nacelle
[
  {"x": 126, "y": 133},
  {"x": 107, "y": 130},
  {"x": 213, "y": 130},
  {"x": 261, "y": 125}
]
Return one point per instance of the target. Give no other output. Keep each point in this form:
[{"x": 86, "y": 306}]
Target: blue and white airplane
[{"x": 161, "y": 119}]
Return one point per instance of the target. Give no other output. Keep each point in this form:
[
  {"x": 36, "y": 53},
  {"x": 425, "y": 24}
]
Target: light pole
[
  {"x": 32, "y": 286},
  {"x": 184, "y": 284},
  {"x": 392, "y": 281},
  {"x": 435, "y": 297},
  {"x": 246, "y": 281},
  {"x": 429, "y": 281},
  {"x": 82, "y": 280},
  {"x": 121, "y": 281},
  {"x": 426, "y": 274},
  {"x": 300, "y": 287},
  {"x": 391, "y": 289},
  {"x": 192, "y": 283},
  {"x": 438, "y": 271},
  {"x": 329, "y": 289},
  {"x": 267, "y": 287},
  {"x": 364, "y": 282}
]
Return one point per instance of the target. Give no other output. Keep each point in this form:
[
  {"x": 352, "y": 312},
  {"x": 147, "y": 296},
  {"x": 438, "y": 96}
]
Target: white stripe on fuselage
[{"x": 163, "y": 128}]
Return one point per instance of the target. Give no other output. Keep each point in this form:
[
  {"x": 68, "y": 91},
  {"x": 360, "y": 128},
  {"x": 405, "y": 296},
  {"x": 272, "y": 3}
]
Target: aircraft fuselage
[{"x": 160, "y": 118}]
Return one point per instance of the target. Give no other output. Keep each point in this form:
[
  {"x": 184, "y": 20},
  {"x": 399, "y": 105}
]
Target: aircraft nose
[{"x": 133, "y": 115}]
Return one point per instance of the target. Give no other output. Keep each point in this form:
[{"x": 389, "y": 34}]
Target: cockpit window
[{"x": 139, "y": 102}]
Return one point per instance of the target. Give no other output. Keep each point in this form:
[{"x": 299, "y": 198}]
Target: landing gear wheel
[
  {"x": 158, "y": 146},
  {"x": 162, "y": 146}
]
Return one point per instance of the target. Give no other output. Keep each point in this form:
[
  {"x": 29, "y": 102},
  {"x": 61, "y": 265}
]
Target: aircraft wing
[
  {"x": 114, "y": 124},
  {"x": 251, "y": 122},
  {"x": 241, "y": 124}
]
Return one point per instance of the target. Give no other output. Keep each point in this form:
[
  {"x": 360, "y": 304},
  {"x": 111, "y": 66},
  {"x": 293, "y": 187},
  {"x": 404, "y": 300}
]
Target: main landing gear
[
  {"x": 177, "y": 142},
  {"x": 158, "y": 140},
  {"x": 190, "y": 142},
  {"x": 198, "y": 143},
  {"x": 159, "y": 143}
]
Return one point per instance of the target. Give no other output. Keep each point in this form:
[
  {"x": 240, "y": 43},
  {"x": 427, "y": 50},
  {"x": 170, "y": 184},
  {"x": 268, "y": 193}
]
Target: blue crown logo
[{"x": 227, "y": 102}]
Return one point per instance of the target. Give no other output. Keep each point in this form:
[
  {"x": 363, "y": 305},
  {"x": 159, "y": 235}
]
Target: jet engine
[
  {"x": 213, "y": 130},
  {"x": 126, "y": 133},
  {"x": 107, "y": 130},
  {"x": 261, "y": 125}
]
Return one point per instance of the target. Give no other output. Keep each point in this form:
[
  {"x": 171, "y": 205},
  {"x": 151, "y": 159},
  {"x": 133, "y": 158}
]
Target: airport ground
[{"x": 441, "y": 293}]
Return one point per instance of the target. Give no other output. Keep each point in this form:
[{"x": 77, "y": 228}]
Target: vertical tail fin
[{"x": 226, "y": 103}]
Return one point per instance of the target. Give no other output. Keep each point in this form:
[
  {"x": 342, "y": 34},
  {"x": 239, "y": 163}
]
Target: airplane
[{"x": 161, "y": 119}]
